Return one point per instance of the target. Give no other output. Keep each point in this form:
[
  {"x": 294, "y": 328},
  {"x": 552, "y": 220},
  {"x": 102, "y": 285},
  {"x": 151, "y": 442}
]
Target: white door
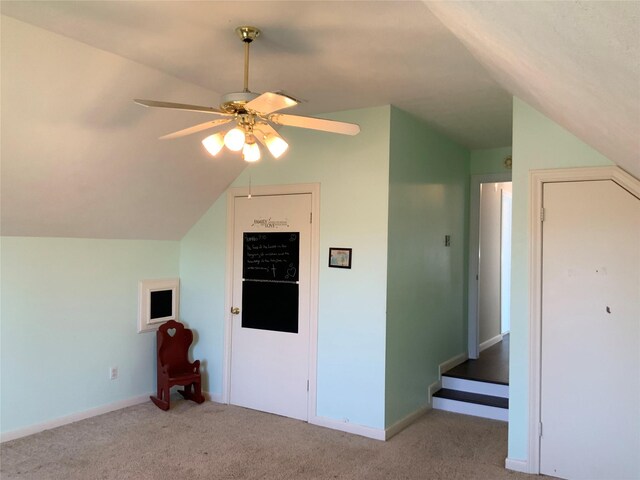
[
  {"x": 271, "y": 278},
  {"x": 590, "y": 349}
]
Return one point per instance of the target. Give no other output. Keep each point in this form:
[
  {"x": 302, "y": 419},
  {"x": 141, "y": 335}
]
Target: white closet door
[{"x": 590, "y": 357}]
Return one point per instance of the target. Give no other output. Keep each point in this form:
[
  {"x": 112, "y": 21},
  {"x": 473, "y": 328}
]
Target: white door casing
[
  {"x": 537, "y": 181},
  {"x": 269, "y": 370}
]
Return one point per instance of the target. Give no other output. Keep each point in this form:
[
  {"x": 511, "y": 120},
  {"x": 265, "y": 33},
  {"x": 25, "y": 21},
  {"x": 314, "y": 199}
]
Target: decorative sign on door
[{"x": 270, "y": 264}]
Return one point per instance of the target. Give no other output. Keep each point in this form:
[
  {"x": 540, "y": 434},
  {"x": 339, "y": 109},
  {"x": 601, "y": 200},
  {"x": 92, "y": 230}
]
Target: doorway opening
[
  {"x": 489, "y": 262},
  {"x": 480, "y": 385}
]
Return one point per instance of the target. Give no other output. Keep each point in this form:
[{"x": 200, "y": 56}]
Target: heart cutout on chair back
[{"x": 171, "y": 331}]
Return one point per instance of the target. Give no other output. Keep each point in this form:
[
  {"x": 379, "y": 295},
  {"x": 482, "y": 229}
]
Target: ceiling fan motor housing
[{"x": 235, "y": 102}]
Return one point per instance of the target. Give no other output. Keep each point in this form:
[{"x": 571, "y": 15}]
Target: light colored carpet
[{"x": 213, "y": 441}]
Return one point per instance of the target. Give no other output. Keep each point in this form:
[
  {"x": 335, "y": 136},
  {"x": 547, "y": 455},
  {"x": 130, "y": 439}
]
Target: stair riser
[
  {"x": 474, "y": 409},
  {"x": 472, "y": 386}
]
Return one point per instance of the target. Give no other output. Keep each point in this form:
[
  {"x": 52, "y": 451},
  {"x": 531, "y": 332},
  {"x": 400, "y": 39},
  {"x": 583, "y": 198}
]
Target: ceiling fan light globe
[
  {"x": 214, "y": 143},
  {"x": 276, "y": 145},
  {"x": 251, "y": 152},
  {"x": 234, "y": 139}
]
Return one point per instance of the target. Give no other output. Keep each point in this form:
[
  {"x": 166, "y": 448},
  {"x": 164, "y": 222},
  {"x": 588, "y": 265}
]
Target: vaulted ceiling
[
  {"x": 576, "y": 62},
  {"x": 80, "y": 159}
]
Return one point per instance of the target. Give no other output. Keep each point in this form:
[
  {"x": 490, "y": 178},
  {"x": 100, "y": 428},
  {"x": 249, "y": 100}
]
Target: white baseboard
[
  {"x": 433, "y": 388},
  {"x": 405, "y": 422},
  {"x": 517, "y": 465},
  {"x": 215, "y": 397},
  {"x": 489, "y": 343},
  {"x": 74, "y": 417},
  {"x": 443, "y": 367},
  {"x": 452, "y": 362},
  {"x": 369, "y": 432}
]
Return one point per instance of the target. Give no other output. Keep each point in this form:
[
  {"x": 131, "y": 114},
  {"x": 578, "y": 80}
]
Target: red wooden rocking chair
[{"x": 174, "y": 367}]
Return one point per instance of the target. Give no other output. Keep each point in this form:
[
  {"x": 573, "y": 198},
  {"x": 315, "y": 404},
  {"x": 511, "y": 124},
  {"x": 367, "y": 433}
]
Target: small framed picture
[{"x": 340, "y": 257}]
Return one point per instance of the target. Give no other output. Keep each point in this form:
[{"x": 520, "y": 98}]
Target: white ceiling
[
  {"x": 576, "y": 62},
  {"x": 335, "y": 55}
]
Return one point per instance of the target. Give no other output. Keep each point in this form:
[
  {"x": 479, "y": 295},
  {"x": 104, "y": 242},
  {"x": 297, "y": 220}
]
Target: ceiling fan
[{"x": 253, "y": 114}]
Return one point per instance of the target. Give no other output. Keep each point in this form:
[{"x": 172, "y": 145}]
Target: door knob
[{"x": 235, "y": 310}]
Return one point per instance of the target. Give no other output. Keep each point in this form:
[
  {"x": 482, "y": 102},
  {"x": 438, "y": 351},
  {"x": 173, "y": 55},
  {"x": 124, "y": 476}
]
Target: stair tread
[{"x": 488, "y": 400}]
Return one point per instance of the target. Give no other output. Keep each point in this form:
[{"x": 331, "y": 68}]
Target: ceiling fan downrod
[{"x": 247, "y": 34}]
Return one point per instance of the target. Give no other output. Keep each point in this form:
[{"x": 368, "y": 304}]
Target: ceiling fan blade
[
  {"x": 315, "y": 123},
  {"x": 270, "y": 102},
  {"x": 181, "y": 106},
  {"x": 299, "y": 100},
  {"x": 195, "y": 128}
]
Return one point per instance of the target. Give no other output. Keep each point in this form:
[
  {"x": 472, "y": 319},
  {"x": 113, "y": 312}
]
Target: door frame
[
  {"x": 473, "y": 345},
  {"x": 537, "y": 179},
  {"x": 504, "y": 242},
  {"x": 267, "y": 190}
]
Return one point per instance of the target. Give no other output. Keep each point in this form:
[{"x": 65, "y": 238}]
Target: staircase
[
  {"x": 478, "y": 387},
  {"x": 473, "y": 397}
]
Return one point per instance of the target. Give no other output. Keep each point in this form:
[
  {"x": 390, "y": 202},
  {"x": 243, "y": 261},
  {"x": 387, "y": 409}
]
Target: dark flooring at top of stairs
[{"x": 492, "y": 366}]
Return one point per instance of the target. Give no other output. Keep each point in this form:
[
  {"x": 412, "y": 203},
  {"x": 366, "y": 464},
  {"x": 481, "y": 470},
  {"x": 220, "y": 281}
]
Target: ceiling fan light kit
[
  {"x": 276, "y": 145},
  {"x": 214, "y": 143},
  {"x": 250, "y": 150},
  {"x": 234, "y": 139},
  {"x": 254, "y": 116}
]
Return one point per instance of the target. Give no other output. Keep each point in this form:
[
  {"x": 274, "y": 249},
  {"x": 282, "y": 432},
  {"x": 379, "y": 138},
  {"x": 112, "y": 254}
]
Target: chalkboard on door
[{"x": 270, "y": 287}]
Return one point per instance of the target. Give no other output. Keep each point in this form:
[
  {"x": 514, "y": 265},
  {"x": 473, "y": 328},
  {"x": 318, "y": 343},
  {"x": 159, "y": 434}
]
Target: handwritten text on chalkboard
[{"x": 271, "y": 256}]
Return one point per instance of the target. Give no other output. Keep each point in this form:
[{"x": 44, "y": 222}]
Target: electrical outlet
[
  {"x": 113, "y": 373},
  {"x": 447, "y": 240}
]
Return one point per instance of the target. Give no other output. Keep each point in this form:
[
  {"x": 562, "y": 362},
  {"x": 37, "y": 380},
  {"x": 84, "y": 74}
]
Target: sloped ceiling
[
  {"x": 79, "y": 159},
  {"x": 576, "y": 62}
]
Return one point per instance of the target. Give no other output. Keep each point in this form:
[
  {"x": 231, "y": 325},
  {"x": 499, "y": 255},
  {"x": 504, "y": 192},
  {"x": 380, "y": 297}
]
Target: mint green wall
[
  {"x": 354, "y": 177},
  {"x": 538, "y": 143},
  {"x": 202, "y": 283},
  {"x": 426, "y": 287},
  {"x": 489, "y": 160},
  {"x": 69, "y": 312}
]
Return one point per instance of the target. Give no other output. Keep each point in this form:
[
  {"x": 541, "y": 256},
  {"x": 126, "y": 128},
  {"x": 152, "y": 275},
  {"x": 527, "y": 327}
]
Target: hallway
[{"x": 492, "y": 366}]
